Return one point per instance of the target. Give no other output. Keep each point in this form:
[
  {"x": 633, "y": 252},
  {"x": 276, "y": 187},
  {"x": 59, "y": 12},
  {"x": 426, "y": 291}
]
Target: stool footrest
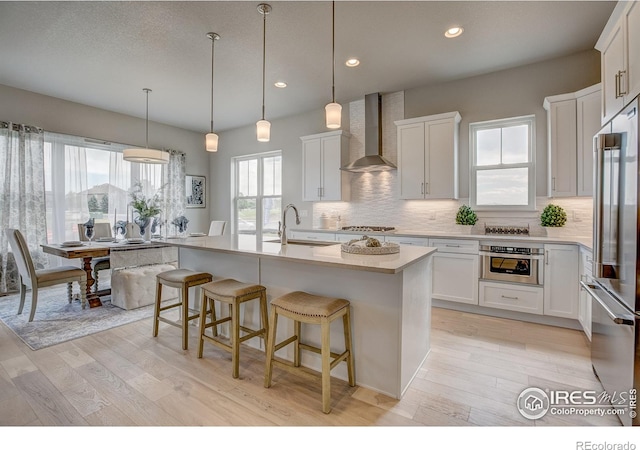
[
  {"x": 173, "y": 305},
  {"x": 313, "y": 349},
  {"x": 252, "y": 333},
  {"x": 285, "y": 343}
]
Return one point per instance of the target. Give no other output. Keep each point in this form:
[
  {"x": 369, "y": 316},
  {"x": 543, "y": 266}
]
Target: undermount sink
[{"x": 304, "y": 242}]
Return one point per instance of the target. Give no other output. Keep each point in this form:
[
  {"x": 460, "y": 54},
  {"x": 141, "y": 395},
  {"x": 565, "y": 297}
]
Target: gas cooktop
[{"x": 367, "y": 228}]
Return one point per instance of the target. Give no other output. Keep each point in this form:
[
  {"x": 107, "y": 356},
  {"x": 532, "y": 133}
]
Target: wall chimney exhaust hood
[{"x": 372, "y": 161}]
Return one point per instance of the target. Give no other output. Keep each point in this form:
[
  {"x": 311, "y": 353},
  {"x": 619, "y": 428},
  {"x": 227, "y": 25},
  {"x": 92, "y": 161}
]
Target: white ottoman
[{"x": 136, "y": 287}]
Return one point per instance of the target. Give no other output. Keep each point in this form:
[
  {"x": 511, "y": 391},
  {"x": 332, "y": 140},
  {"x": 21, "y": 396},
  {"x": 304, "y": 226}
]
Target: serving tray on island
[{"x": 387, "y": 248}]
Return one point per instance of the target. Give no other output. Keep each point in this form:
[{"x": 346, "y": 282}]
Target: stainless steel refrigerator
[{"x": 615, "y": 285}]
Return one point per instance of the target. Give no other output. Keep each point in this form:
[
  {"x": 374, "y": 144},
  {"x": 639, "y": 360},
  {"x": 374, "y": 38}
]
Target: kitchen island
[{"x": 390, "y": 297}]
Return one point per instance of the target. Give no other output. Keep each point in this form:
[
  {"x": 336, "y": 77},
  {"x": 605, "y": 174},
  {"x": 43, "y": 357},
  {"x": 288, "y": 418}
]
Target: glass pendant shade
[
  {"x": 263, "y": 129},
  {"x": 333, "y": 115},
  {"x": 211, "y": 142}
]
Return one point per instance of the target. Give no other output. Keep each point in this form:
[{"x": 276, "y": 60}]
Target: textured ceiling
[{"x": 103, "y": 53}]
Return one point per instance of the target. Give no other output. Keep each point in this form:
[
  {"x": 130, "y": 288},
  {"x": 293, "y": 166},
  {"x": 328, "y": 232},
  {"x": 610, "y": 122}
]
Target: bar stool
[
  {"x": 312, "y": 309},
  {"x": 181, "y": 279},
  {"x": 234, "y": 293}
]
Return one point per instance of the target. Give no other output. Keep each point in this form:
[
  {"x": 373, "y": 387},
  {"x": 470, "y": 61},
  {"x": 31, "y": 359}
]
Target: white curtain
[
  {"x": 173, "y": 178},
  {"x": 22, "y": 194},
  {"x": 67, "y": 188}
]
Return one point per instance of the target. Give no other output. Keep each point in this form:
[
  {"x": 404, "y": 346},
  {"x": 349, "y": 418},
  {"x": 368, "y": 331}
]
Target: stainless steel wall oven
[{"x": 512, "y": 262}]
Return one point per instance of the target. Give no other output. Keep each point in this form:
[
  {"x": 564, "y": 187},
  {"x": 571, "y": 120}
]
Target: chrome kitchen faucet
[{"x": 282, "y": 226}]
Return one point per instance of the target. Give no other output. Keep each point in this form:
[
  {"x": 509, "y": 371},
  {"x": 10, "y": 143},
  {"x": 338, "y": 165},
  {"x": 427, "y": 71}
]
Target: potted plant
[
  {"x": 553, "y": 217},
  {"x": 466, "y": 217}
]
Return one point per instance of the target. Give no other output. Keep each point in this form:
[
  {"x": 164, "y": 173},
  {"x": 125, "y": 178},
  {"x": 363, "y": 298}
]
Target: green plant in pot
[
  {"x": 553, "y": 216},
  {"x": 466, "y": 216}
]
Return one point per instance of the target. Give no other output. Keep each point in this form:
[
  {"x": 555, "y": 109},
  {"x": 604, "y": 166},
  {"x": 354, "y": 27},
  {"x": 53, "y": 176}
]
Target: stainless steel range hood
[{"x": 372, "y": 161}]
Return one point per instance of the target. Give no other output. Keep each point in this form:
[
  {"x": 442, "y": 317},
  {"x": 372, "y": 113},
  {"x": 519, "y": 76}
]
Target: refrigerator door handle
[
  {"x": 597, "y": 206},
  {"x": 590, "y": 288}
]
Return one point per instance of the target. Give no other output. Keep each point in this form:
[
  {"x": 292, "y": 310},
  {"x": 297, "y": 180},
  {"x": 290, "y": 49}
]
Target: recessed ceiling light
[
  {"x": 280, "y": 84},
  {"x": 454, "y": 32},
  {"x": 352, "y": 62}
]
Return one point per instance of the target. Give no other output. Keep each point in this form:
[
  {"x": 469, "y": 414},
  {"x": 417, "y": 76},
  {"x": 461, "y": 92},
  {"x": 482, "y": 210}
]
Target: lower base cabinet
[
  {"x": 455, "y": 270},
  {"x": 561, "y": 273},
  {"x": 455, "y": 277},
  {"x": 514, "y": 297}
]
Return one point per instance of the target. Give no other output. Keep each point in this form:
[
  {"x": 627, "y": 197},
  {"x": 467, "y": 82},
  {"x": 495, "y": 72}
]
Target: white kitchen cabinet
[
  {"x": 588, "y": 107},
  {"x": 455, "y": 270},
  {"x": 619, "y": 46},
  {"x": 584, "y": 299},
  {"x": 312, "y": 236},
  {"x": 562, "y": 145},
  {"x": 322, "y": 156},
  {"x": 407, "y": 240},
  {"x": 512, "y": 297},
  {"x": 572, "y": 121},
  {"x": 428, "y": 156},
  {"x": 560, "y": 288},
  {"x": 346, "y": 237}
]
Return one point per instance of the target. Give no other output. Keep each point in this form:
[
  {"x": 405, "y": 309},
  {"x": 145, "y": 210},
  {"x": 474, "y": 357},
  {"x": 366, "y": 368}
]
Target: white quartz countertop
[
  {"x": 583, "y": 241},
  {"x": 330, "y": 255}
]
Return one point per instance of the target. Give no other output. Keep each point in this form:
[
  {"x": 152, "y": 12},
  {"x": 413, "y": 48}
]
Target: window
[
  {"x": 503, "y": 164},
  {"x": 257, "y": 198},
  {"x": 86, "y": 178}
]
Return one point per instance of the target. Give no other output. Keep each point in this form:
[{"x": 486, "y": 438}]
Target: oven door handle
[
  {"x": 590, "y": 288},
  {"x": 512, "y": 255}
]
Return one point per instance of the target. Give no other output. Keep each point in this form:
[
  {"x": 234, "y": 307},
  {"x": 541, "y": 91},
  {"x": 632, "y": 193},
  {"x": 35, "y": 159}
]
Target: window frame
[
  {"x": 259, "y": 197},
  {"x": 530, "y": 121}
]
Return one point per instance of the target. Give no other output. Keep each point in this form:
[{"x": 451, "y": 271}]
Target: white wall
[{"x": 61, "y": 116}]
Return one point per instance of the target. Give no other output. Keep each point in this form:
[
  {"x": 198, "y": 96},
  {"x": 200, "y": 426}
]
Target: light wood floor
[{"x": 477, "y": 367}]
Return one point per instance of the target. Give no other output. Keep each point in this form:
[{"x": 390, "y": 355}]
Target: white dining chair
[
  {"x": 101, "y": 230},
  {"x": 36, "y": 279},
  {"x": 217, "y": 227}
]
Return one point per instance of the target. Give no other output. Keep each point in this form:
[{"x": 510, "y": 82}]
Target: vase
[
  {"x": 463, "y": 229},
  {"x": 145, "y": 229},
  {"x": 554, "y": 231}
]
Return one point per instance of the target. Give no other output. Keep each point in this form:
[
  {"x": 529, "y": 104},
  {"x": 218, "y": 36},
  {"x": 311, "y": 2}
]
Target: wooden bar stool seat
[
  {"x": 234, "y": 293},
  {"x": 302, "y": 307},
  {"x": 181, "y": 279}
]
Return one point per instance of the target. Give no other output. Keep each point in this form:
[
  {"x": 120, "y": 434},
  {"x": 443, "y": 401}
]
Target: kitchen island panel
[{"x": 390, "y": 311}]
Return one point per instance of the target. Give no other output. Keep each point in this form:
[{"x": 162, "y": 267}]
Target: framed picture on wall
[{"x": 196, "y": 191}]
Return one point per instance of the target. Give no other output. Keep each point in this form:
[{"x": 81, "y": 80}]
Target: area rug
[{"x": 57, "y": 320}]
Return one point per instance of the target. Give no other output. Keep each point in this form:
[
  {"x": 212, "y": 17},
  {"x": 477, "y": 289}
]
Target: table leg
[{"x": 92, "y": 298}]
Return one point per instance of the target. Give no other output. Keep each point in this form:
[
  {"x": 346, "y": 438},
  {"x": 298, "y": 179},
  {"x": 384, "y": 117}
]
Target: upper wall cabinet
[
  {"x": 619, "y": 45},
  {"x": 322, "y": 156},
  {"x": 428, "y": 156},
  {"x": 572, "y": 121}
]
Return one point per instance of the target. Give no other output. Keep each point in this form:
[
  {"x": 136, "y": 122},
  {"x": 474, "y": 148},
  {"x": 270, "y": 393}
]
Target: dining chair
[
  {"x": 36, "y": 279},
  {"x": 217, "y": 227},
  {"x": 101, "y": 230}
]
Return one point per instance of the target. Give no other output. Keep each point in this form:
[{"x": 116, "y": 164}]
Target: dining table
[{"x": 96, "y": 249}]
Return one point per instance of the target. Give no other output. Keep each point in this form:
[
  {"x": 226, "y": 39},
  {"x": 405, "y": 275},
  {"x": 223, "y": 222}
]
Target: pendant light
[
  {"x": 146, "y": 155},
  {"x": 211, "y": 140},
  {"x": 333, "y": 110},
  {"x": 263, "y": 127}
]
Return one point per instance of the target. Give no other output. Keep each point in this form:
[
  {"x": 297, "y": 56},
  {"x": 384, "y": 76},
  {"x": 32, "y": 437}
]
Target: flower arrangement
[
  {"x": 466, "y": 216},
  {"x": 553, "y": 216},
  {"x": 144, "y": 206}
]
